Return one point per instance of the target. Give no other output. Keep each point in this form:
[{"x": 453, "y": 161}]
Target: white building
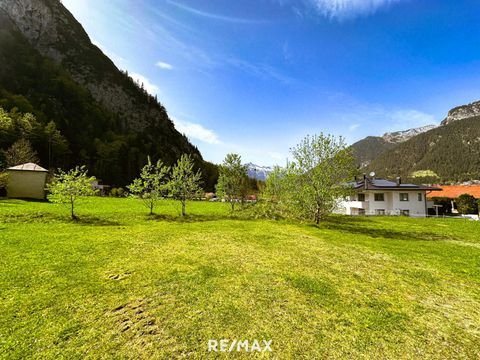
[
  {"x": 26, "y": 181},
  {"x": 375, "y": 196}
]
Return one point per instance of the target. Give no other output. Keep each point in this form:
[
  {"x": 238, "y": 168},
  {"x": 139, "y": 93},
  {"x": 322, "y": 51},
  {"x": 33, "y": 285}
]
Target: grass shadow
[
  {"x": 191, "y": 218},
  {"x": 95, "y": 221},
  {"x": 50, "y": 218},
  {"x": 367, "y": 226}
]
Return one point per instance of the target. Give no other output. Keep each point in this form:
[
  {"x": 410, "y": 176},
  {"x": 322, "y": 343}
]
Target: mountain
[
  {"x": 371, "y": 147},
  {"x": 448, "y": 153},
  {"x": 50, "y": 68},
  {"x": 401, "y": 136},
  {"x": 462, "y": 112},
  {"x": 258, "y": 172}
]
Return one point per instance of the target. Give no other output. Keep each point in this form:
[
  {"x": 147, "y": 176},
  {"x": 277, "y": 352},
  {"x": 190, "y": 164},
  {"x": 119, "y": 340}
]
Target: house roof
[
  {"x": 382, "y": 184},
  {"x": 454, "y": 191},
  {"x": 28, "y": 167}
]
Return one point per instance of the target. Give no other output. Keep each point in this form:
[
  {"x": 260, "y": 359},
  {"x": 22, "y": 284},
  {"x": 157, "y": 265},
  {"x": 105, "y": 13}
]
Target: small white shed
[{"x": 26, "y": 181}]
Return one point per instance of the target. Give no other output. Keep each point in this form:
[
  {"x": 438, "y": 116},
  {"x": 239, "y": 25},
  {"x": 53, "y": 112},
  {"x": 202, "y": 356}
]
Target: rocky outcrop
[
  {"x": 53, "y": 32},
  {"x": 462, "y": 112},
  {"x": 401, "y": 136}
]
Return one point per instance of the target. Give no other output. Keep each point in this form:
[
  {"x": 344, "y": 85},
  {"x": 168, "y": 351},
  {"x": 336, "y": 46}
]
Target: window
[
  {"x": 420, "y": 197},
  {"x": 403, "y": 196},
  {"x": 379, "y": 197},
  {"x": 361, "y": 211},
  {"x": 379, "y": 211},
  {"x": 361, "y": 197},
  {"x": 405, "y": 212}
]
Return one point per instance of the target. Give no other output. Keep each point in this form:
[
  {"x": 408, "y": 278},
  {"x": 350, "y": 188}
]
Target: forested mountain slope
[{"x": 51, "y": 69}]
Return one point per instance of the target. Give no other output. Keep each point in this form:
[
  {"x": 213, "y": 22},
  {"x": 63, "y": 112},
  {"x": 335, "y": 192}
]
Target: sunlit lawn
[{"x": 121, "y": 284}]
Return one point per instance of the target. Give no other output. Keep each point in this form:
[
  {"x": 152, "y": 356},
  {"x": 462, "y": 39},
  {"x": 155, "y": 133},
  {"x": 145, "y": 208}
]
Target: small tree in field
[
  {"x": 184, "y": 183},
  {"x": 317, "y": 178},
  {"x": 467, "y": 204},
  {"x": 68, "y": 187},
  {"x": 151, "y": 186},
  {"x": 232, "y": 182}
]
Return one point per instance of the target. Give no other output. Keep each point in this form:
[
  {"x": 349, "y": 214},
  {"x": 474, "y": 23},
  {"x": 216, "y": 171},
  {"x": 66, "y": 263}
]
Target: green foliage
[
  {"x": 316, "y": 180},
  {"x": 450, "y": 151},
  {"x": 184, "y": 183},
  {"x": 233, "y": 182},
  {"x": 29, "y": 140},
  {"x": 117, "y": 192},
  {"x": 272, "y": 203},
  {"x": 20, "y": 152},
  {"x": 467, "y": 204},
  {"x": 369, "y": 149},
  {"x": 152, "y": 185},
  {"x": 3, "y": 180},
  {"x": 68, "y": 187}
]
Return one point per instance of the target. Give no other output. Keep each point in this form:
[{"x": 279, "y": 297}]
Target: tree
[
  {"x": 68, "y": 187},
  {"x": 232, "y": 180},
  {"x": 20, "y": 152},
  {"x": 317, "y": 178},
  {"x": 467, "y": 204},
  {"x": 3, "y": 180},
  {"x": 184, "y": 183},
  {"x": 56, "y": 142},
  {"x": 151, "y": 186}
]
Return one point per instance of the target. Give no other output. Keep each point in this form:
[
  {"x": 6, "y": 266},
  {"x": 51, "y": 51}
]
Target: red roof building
[{"x": 454, "y": 191}]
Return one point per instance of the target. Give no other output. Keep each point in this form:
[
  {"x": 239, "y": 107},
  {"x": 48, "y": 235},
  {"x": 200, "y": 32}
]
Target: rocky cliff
[
  {"x": 462, "y": 112},
  {"x": 49, "y": 67},
  {"x": 401, "y": 136}
]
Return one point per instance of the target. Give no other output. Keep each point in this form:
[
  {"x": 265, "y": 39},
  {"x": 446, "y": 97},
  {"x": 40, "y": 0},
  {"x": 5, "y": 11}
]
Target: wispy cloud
[
  {"x": 343, "y": 9},
  {"x": 376, "y": 120},
  {"x": 212, "y": 15},
  {"x": 163, "y": 65},
  {"x": 196, "y": 131},
  {"x": 147, "y": 84},
  {"x": 262, "y": 71},
  {"x": 405, "y": 119}
]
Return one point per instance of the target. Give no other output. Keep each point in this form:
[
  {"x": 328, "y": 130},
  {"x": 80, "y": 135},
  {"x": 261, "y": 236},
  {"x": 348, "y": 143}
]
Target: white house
[{"x": 375, "y": 196}]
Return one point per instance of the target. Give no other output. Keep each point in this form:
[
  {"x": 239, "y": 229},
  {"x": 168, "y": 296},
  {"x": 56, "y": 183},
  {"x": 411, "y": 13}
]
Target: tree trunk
[
  {"x": 317, "y": 216},
  {"x": 183, "y": 207},
  {"x": 151, "y": 208},
  {"x": 71, "y": 211}
]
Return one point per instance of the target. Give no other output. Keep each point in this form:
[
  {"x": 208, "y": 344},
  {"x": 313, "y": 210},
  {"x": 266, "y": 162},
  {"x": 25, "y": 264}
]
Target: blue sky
[{"x": 255, "y": 76}]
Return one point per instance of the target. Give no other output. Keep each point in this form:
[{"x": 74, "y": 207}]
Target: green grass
[{"x": 119, "y": 284}]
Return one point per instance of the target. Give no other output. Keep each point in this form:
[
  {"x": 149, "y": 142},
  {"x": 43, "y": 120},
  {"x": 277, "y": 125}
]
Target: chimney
[{"x": 399, "y": 180}]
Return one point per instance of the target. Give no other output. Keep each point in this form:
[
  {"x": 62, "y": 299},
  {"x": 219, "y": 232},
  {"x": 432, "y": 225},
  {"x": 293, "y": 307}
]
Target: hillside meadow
[{"x": 121, "y": 284}]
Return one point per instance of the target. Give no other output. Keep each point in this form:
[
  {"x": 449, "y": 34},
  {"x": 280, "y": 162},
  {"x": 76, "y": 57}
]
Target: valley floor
[{"x": 121, "y": 284}]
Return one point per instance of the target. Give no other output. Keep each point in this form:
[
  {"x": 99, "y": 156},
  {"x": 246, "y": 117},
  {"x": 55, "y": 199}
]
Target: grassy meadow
[{"x": 121, "y": 284}]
